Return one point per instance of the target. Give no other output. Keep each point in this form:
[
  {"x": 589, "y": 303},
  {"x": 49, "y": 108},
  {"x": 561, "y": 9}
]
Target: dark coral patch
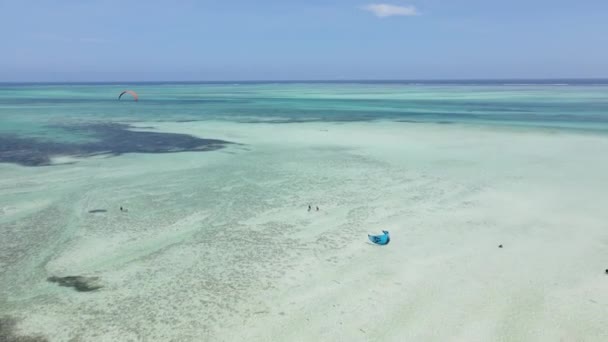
[
  {"x": 8, "y": 327},
  {"x": 109, "y": 138},
  {"x": 96, "y": 211},
  {"x": 79, "y": 283}
]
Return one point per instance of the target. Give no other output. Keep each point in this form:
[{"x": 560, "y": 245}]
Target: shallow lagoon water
[{"x": 219, "y": 245}]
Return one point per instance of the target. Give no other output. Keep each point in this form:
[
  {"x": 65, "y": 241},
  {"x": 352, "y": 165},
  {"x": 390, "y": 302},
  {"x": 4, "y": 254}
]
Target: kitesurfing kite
[
  {"x": 130, "y": 92},
  {"x": 382, "y": 239}
]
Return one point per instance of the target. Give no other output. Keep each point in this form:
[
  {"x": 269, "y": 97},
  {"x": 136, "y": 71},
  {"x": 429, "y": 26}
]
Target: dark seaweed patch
[
  {"x": 95, "y": 211},
  {"x": 79, "y": 283},
  {"x": 110, "y": 138},
  {"x": 8, "y": 326}
]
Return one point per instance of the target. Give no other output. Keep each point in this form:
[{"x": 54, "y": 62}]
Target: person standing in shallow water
[
  {"x": 317, "y": 208},
  {"x": 309, "y": 207}
]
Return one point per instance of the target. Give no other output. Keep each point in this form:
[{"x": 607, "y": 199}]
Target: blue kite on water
[{"x": 383, "y": 239}]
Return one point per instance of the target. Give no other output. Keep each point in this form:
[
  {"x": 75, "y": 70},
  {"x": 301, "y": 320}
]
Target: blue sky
[{"x": 86, "y": 40}]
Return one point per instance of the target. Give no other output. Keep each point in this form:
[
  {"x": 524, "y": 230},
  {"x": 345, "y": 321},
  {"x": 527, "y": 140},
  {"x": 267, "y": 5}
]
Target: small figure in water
[
  {"x": 309, "y": 208},
  {"x": 317, "y": 208},
  {"x": 121, "y": 209}
]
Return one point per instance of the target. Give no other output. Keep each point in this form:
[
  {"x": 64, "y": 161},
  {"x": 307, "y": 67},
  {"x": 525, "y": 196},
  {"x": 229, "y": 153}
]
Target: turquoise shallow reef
[
  {"x": 68, "y": 118},
  {"x": 565, "y": 103}
]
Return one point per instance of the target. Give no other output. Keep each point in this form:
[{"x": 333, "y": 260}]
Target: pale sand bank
[{"x": 220, "y": 246}]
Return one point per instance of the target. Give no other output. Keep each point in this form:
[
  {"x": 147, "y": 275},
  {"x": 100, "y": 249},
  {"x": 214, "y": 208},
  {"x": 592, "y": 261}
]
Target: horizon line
[{"x": 390, "y": 80}]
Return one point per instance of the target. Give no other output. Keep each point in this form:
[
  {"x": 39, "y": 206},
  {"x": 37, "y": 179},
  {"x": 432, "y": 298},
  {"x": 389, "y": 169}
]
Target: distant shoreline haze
[{"x": 488, "y": 81}]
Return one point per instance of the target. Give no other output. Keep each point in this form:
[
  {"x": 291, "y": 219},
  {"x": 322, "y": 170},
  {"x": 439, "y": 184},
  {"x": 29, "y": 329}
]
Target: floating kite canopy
[
  {"x": 130, "y": 92},
  {"x": 382, "y": 239}
]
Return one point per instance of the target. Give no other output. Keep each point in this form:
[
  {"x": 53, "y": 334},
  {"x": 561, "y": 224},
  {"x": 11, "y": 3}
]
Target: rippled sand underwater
[{"x": 219, "y": 245}]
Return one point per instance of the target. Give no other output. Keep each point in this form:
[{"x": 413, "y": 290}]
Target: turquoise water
[
  {"x": 33, "y": 109},
  {"x": 38, "y": 121},
  {"x": 220, "y": 246}
]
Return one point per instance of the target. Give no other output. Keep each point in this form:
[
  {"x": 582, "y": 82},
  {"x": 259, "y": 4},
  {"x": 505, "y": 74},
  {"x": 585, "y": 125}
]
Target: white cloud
[{"x": 387, "y": 10}]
